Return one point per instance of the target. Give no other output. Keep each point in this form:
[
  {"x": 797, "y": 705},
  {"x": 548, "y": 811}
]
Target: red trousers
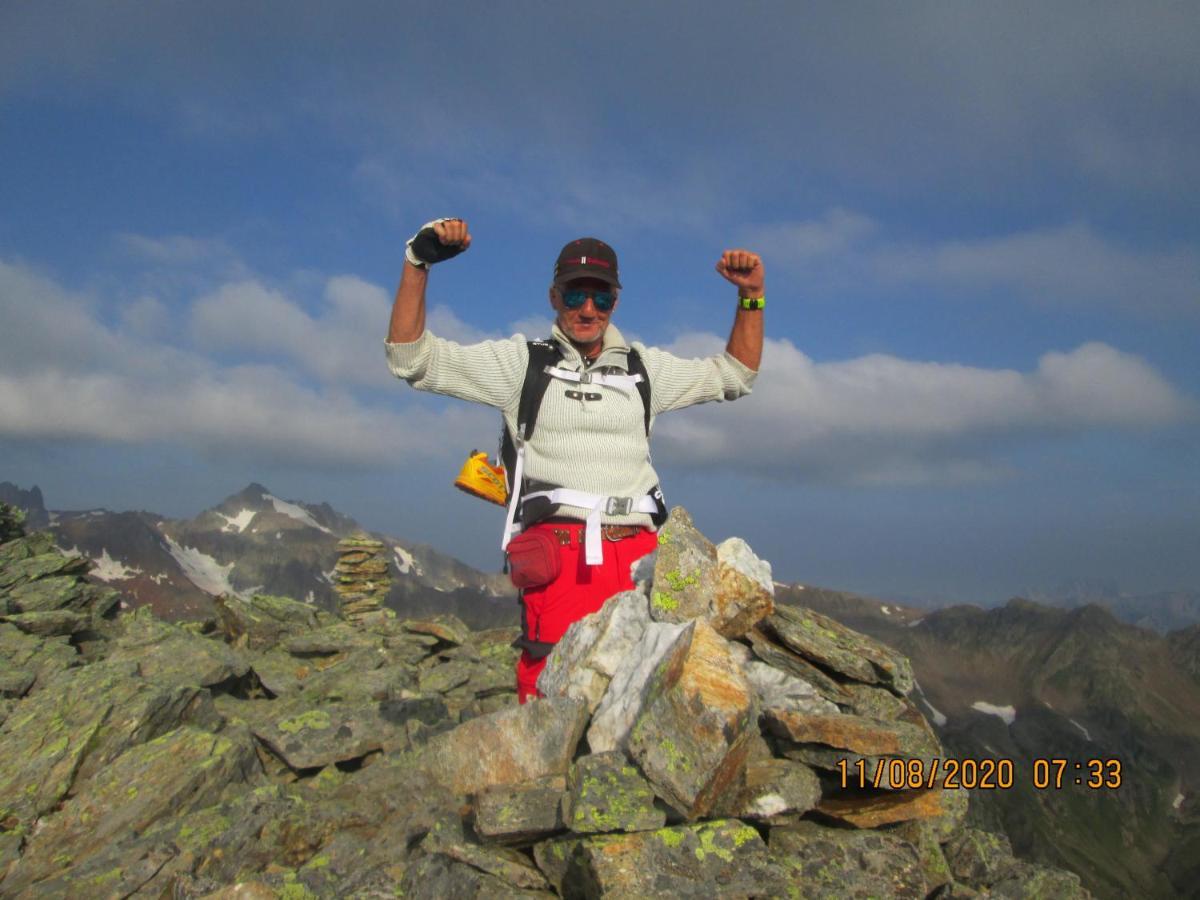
[{"x": 579, "y": 590}]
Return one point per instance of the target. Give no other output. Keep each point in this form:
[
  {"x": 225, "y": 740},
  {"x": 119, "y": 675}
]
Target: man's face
[{"x": 586, "y": 325}]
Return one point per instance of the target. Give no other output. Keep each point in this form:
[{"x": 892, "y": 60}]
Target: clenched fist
[
  {"x": 743, "y": 268},
  {"x": 437, "y": 241}
]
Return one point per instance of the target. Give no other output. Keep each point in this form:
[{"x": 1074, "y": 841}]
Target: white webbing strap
[
  {"x": 621, "y": 382},
  {"x": 598, "y": 504},
  {"x": 511, "y": 530}
]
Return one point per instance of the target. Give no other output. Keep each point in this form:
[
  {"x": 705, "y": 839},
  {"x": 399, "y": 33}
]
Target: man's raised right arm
[{"x": 408, "y": 311}]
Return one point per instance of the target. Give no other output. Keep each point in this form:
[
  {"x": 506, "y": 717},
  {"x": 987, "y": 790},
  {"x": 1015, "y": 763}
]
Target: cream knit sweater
[{"x": 597, "y": 446}]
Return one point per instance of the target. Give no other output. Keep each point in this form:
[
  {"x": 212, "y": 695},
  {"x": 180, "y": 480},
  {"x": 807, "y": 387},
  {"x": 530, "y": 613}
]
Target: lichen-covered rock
[
  {"x": 182, "y": 770},
  {"x": 685, "y": 571},
  {"x": 585, "y": 659},
  {"x": 980, "y": 858},
  {"x": 86, "y": 718},
  {"x": 170, "y": 653},
  {"x": 520, "y": 813},
  {"x": 627, "y": 691},
  {"x": 42, "y": 565},
  {"x": 831, "y": 644},
  {"x": 308, "y": 737},
  {"x": 438, "y": 876},
  {"x": 1028, "y": 881},
  {"x": 923, "y": 835},
  {"x": 14, "y": 682},
  {"x": 772, "y": 787},
  {"x": 721, "y": 858},
  {"x": 785, "y": 660},
  {"x": 50, "y": 622},
  {"x": 832, "y": 864},
  {"x": 264, "y": 620},
  {"x": 691, "y": 735},
  {"x": 605, "y": 792},
  {"x": 516, "y": 744},
  {"x": 43, "y": 657}
]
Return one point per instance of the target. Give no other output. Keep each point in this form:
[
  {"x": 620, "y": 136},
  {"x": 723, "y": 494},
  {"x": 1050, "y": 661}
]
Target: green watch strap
[{"x": 752, "y": 302}]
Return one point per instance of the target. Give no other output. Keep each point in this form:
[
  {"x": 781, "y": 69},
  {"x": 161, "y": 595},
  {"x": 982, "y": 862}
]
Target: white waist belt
[{"x": 598, "y": 504}]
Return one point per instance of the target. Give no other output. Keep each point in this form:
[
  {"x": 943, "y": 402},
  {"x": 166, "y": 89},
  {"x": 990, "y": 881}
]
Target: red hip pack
[{"x": 533, "y": 559}]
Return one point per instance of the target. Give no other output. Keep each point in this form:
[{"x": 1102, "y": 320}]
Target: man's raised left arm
[{"x": 745, "y": 269}]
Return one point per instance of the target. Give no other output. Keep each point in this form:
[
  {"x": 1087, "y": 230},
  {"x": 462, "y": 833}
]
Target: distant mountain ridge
[
  {"x": 1025, "y": 681},
  {"x": 254, "y": 541}
]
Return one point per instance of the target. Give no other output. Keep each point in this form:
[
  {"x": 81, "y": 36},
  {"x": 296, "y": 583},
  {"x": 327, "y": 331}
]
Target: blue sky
[{"x": 979, "y": 223}]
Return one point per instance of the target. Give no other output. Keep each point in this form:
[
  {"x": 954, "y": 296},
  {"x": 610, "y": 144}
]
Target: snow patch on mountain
[
  {"x": 296, "y": 512},
  {"x": 939, "y": 718},
  {"x": 915, "y": 622},
  {"x": 239, "y": 522},
  {"x": 1007, "y": 713},
  {"x": 1177, "y": 802},
  {"x": 109, "y": 569},
  {"x": 1081, "y": 728},
  {"x": 886, "y": 610},
  {"x": 201, "y": 569},
  {"x": 405, "y": 562}
]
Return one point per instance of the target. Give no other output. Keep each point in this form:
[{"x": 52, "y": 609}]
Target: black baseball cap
[{"x": 586, "y": 258}]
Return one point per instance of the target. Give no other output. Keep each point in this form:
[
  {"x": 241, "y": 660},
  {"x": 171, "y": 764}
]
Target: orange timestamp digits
[
  {"x": 906, "y": 774},
  {"x": 1054, "y": 773}
]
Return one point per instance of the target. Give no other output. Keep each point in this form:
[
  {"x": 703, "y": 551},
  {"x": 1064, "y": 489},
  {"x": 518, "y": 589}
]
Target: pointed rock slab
[
  {"x": 874, "y": 810},
  {"x": 980, "y": 858},
  {"x": 180, "y": 771},
  {"x": 447, "y": 627},
  {"x": 831, "y": 644},
  {"x": 170, "y": 653},
  {"x": 307, "y": 737},
  {"x": 520, "y": 813},
  {"x": 86, "y": 718},
  {"x": 43, "y": 565},
  {"x": 723, "y": 858},
  {"x": 691, "y": 736},
  {"x": 606, "y": 793},
  {"x": 265, "y": 620},
  {"x": 626, "y": 694},
  {"x": 774, "y": 787},
  {"x": 438, "y": 875},
  {"x": 51, "y": 622},
  {"x": 841, "y": 743},
  {"x": 584, "y": 661},
  {"x": 834, "y": 863},
  {"x": 44, "y": 657},
  {"x": 745, "y": 590},
  {"x": 685, "y": 571},
  {"x": 922, "y": 834},
  {"x": 516, "y": 744},
  {"x": 63, "y": 592},
  {"x": 774, "y": 688},
  {"x": 785, "y": 660}
]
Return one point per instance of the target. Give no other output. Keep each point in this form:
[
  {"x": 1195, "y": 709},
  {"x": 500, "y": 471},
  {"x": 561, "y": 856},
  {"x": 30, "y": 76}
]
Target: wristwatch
[{"x": 752, "y": 302}]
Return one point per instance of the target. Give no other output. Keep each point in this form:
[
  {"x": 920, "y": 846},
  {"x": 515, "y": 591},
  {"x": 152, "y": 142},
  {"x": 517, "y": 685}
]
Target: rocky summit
[{"x": 692, "y": 741}]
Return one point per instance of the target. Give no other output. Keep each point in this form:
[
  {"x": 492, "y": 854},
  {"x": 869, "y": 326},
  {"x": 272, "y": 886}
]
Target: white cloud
[
  {"x": 883, "y": 419},
  {"x": 1070, "y": 264},
  {"x": 174, "y": 250}
]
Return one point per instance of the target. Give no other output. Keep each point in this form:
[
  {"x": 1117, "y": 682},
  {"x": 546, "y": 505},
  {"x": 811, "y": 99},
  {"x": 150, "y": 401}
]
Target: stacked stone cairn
[
  {"x": 361, "y": 577},
  {"x": 694, "y": 741}
]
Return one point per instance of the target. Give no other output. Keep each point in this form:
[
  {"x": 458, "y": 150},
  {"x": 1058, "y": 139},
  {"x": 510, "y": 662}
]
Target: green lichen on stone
[
  {"x": 677, "y": 581},
  {"x": 202, "y": 830},
  {"x": 664, "y": 602},
  {"x": 743, "y": 834},
  {"x": 708, "y": 844},
  {"x": 294, "y": 891},
  {"x": 670, "y": 836},
  {"x": 317, "y": 862},
  {"x": 58, "y": 746},
  {"x": 131, "y": 792},
  {"x": 106, "y": 878},
  {"x": 676, "y": 761},
  {"x": 664, "y": 538},
  {"x": 316, "y": 719}
]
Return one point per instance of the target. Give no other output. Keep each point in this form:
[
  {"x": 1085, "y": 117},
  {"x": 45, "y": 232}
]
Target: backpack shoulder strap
[
  {"x": 541, "y": 354},
  {"x": 637, "y": 366}
]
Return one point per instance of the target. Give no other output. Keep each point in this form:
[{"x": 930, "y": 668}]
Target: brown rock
[
  {"x": 873, "y": 810},
  {"x": 692, "y": 734}
]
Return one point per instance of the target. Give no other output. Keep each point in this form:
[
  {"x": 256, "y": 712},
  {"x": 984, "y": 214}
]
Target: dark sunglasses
[{"x": 603, "y": 300}]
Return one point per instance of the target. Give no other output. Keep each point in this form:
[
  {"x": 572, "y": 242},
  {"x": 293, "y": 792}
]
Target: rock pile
[
  {"x": 361, "y": 577},
  {"x": 691, "y": 743}
]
